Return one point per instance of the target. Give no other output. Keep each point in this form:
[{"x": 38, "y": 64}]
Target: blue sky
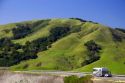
[{"x": 107, "y": 12}]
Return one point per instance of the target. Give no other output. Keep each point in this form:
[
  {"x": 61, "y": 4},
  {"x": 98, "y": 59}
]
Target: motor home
[{"x": 101, "y": 72}]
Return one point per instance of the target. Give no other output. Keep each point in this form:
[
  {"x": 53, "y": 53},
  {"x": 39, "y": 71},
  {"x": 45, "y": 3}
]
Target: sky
[{"x": 107, "y": 12}]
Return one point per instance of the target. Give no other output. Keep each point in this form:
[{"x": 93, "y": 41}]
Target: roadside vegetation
[{"x": 75, "y": 79}]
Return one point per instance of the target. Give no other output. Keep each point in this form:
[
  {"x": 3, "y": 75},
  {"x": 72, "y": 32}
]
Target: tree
[
  {"x": 120, "y": 29},
  {"x": 93, "y": 52},
  {"x": 21, "y": 31},
  {"x": 58, "y": 32}
]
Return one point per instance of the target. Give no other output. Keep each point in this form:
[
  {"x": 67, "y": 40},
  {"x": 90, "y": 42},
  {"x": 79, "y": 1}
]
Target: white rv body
[{"x": 101, "y": 72}]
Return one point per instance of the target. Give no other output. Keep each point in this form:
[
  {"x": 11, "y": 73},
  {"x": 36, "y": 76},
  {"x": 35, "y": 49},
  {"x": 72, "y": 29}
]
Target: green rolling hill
[{"x": 62, "y": 44}]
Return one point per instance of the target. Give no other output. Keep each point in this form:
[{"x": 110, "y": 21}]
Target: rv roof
[{"x": 99, "y": 68}]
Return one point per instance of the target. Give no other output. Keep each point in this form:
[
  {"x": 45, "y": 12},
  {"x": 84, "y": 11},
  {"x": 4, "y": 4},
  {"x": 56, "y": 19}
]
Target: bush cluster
[
  {"x": 93, "y": 52},
  {"x": 75, "y": 79},
  {"x": 11, "y": 53},
  {"x": 21, "y": 31}
]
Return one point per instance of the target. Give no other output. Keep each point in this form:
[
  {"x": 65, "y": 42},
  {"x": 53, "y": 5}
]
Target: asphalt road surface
[{"x": 113, "y": 79}]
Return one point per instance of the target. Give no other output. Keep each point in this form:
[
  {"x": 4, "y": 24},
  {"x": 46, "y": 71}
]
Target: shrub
[
  {"x": 119, "y": 29},
  {"x": 25, "y": 66},
  {"x": 93, "y": 52},
  {"x": 75, "y": 79},
  {"x": 117, "y": 35},
  {"x": 21, "y": 31},
  {"x": 6, "y": 30},
  {"x": 92, "y": 46},
  {"x": 10, "y": 54},
  {"x": 38, "y": 64},
  {"x": 79, "y": 19},
  {"x": 57, "y": 33}
]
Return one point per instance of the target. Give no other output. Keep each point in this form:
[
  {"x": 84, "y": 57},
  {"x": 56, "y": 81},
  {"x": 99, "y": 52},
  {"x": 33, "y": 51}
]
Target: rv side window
[
  {"x": 95, "y": 70},
  {"x": 106, "y": 71}
]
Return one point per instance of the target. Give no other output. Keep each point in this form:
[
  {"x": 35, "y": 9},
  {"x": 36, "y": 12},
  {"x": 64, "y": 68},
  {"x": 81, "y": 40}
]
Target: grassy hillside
[{"x": 68, "y": 51}]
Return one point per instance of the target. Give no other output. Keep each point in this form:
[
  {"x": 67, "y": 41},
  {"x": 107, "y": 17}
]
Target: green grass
[
  {"x": 43, "y": 31},
  {"x": 69, "y": 52},
  {"x": 112, "y": 57},
  {"x": 6, "y": 30}
]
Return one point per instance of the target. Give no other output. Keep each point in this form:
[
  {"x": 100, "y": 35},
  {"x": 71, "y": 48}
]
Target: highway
[
  {"x": 58, "y": 73},
  {"x": 114, "y": 78}
]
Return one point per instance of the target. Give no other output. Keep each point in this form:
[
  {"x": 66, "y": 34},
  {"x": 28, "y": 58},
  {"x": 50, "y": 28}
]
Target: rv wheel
[{"x": 106, "y": 75}]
